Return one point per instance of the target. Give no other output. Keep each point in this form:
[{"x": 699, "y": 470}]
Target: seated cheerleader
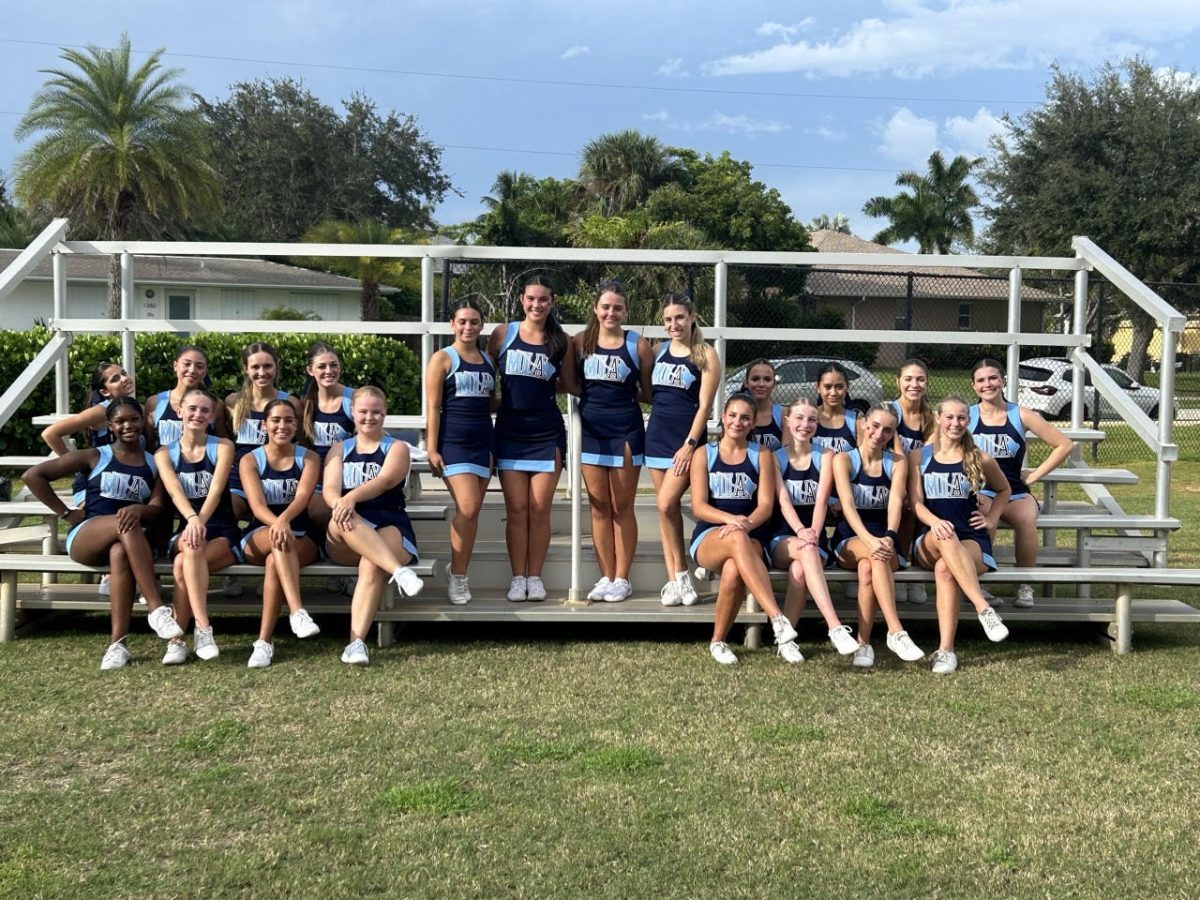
[
  {"x": 279, "y": 479},
  {"x": 870, "y": 484},
  {"x": 324, "y": 415},
  {"x": 799, "y": 546},
  {"x": 838, "y": 425},
  {"x": 164, "y": 411},
  {"x": 912, "y": 431},
  {"x": 195, "y": 473},
  {"x": 955, "y": 538},
  {"x": 768, "y": 415},
  {"x": 122, "y": 492},
  {"x": 368, "y": 527},
  {"x": 733, "y": 497}
]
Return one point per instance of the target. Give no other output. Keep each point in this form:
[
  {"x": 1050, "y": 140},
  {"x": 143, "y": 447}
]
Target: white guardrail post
[
  {"x": 1014, "y": 327},
  {"x": 62, "y": 370},
  {"x": 427, "y": 320},
  {"x": 1078, "y": 327},
  {"x": 575, "y": 592},
  {"x": 128, "y": 351},
  {"x": 720, "y": 304}
]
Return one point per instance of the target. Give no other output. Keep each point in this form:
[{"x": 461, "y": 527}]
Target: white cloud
[
  {"x": 971, "y": 135},
  {"x": 767, "y": 29},
  {"x": 577, "y": 50},
  {"x": 719, "y": 121},
  {"x": 660, "y": 116},
  {"x": 923, "y": 37},
  {"x": 827, "y": 132},
  {"x": 908, "y": 138},
  {"x": 672, "y": 68},
  {"x": 1187, "y": 81}
]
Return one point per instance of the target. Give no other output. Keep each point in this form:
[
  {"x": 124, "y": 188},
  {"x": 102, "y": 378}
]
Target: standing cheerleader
[
  {"x": 912, "y": 431},
  {"x": 999, "y": 430},
  {"x": 768, "y": 415},
  {"x": 870, "y": 484},
  {"x": 531, "y": 441},
  {"x": 733, "y": 496},
  {"x": 122, "y": 492},
  {"x": 459, "y": 385},
  {"x": 279, "y": 479},
  {"x": 164, "y": 419},
  {"x": 955, "y": 538},
  {"x": 838, "y": 426},
  {"x": 368, "y": 527},
  {"x": 324, "y": 415},
  {"x": 682, "y": 387},
  {"x": 260, "y": 364},
  {"x": 614, "y": 366},
  {"x": 798, "y": 546},
  {"x": 195, "y": 471}
]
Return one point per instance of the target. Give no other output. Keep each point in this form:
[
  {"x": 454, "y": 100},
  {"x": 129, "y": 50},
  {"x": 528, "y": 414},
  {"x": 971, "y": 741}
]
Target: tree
[
  {"x": 526, "y": 212},
  {"x": 622, "y": 168},
  {"x": 120, "y": 154},
  {"x": 291, "y": 162},
  {"x": 937, "y": 212},
  {"x": 16, "y": 229},
  {"x": 1115, "y": 157},
  {"x": 825, "y": 222},
  {"x": 371, "y": 271}
]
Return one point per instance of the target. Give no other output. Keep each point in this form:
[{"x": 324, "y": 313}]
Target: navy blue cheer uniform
[
  {"x": 948, "y": 496},
  {"x": 1005, "y": 443},
  {"x": 530, "y": 434},
  {"x": 196, "y": 478},
  {"x": 802, "y": 488},
  {"x": 871, "y": 496},
  {"x": 674, "y": 400},
  {"x": 839, "y": 440},
  {"x": 466, "y": 439},
  {"x": 770, "y": 436},
  {"x": 279, "y": 488},
  {"x": 112, "y": 485},
  {"x": 251, "y": 433},
  {"x": 166, "y": 421},
  {"x": 608, "y": 406},
  {"x": 329, "y": 428},
  {"x": 732, "y": 489},
  {"x": 388, "y": 508},
  {"x": 910, "y": 438},
  {"x": 96, "y": 437}
]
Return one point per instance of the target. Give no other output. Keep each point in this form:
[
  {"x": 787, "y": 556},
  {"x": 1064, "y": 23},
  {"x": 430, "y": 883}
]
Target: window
[
  {"x": 1123, "y": 381},
  {"x": 964, "y": 317}
]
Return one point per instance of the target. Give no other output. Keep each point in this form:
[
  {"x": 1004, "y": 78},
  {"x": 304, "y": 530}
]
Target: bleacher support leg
[
  {"x": 8, "y": 606},
  {"x": 386, "y": 631},
  {"x": 1124, "y": 624},
  {"x": 753, "y": 632}
]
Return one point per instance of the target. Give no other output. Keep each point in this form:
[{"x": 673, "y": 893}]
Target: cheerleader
[
  {"x": 122, "y": 491},
  {"x": 164, "y": 420},
  {"x": 260, "y": 364},
  {"x": 613, "y": 366},
  {"x": 999, "y": 430},
  {"x": 798, "y": 545},
  {"x": 368, "y": 527},
  {"x": 279, "y": 479},
  {"x": 955, "y": 538},
  {"x": 768, "y": 415},
  {"x": 459, "y": 385},
  {"x": 108, "y": 381},
  {"x": 325, "y": 416},
  {"x": 195, "y": 471},
  {"x": 533, "y": 360},
  {"x": 870, "y": 482},
  {"x": 682, "y": 387},
  {"x": 838, "y": 425},
  {"x": 913, "y": 429},
  {"x": 733, "y": 496}
]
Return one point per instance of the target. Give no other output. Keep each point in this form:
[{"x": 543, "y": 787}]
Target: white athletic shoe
[
  {"x": 790, "y": 651},
  {"x": 993, "y": 625},
  {"x": 203, "y": 644},
  {"x": 458, "y": 588},
  {"x": 916, "y": 594},
  {"x": 517, "y": 589},
  {"x": 1024, "y": 598},
  {"x": 355, "y": 654},
  {"x": 260, "y": 658},
  {"x": 177, "y": 652},
  {"x": 783, "y": 629},
  {"x": 162, "y": 622},
  {"x": 944, "y": 662},
  {"x": 117, "y": 656},
  {"x": 669, "y": 595},
  {"x": 703, "y": 574},
  {"x": 721, "y": 653},
  {"x": 864, "y": 657},
  {"x": 843, "y": 641},
  {"x": 535, "y": 590},
  {"x": 687, "y": 590},
  {"x": 408, "y": 581},
  {"x": 618, "y": 591},
  {"x": 102, "y": 587},
  {"x": 902, "y": 645},
  {"x": 599, "y": 589},
  {"x": 302, "y": 624}
]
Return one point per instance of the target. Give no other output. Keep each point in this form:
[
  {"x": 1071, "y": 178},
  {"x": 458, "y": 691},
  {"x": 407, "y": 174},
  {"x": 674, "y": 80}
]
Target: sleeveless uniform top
[
  {"x": 949, "y": 496},
  {"x": 801, "y": 487},
  {"x": 359, "y": 467},
  {"x": 96, "y": 438},
  {"x": 529, "y": 379},
  {"x": 871, "y": 496},
  {"x": 279, "y": 486},
  {"x": 196, "y": 478},
  {"x": 770, "y": 436},
  {"x": 1004, "y": 443},
  {"x": 330, "y": 427},
  {"x": 910, "y": 438},
  {"x": 609, "y": 380},
  {"x": 840, "y": 440},
  {"x": 732, "y": 488},
  {"x": 466, "y": 397},
  {"x": 112, "y": 485},
  {"x": 253, "y": 432},
  {"x": 674, "y": 385}
]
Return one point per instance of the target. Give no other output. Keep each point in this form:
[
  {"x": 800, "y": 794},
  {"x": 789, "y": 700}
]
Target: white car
[
  {"x": 1045, "y": 386},
  {"x": 798, "y": 374}
]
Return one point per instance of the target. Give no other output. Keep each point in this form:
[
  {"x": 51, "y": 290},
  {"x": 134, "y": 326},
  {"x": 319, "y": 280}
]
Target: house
[{"x": 181, "y": 287}]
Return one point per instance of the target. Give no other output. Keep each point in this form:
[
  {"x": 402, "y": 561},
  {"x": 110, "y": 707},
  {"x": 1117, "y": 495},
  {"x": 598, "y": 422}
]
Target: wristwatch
[{"x": 693, "y": 443}]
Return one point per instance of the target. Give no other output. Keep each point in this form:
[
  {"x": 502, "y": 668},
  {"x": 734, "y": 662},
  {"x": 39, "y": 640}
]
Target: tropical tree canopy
[
  {"x": 373, "y": 272},
  {"x": 935, "y": 211},
  {"x": 622, "y": 168},
  {"x": 826, "y": 222}
]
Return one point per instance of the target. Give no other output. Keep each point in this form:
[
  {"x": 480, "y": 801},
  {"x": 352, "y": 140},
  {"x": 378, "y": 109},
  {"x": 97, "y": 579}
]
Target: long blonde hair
[
  {"x": 802, "y": 400},
  {"x": 972, "y": 455},
  {"x": 244, "y": 404},
  {"x": 591, "y": 334},
  {"x": 697, "y": 349}
]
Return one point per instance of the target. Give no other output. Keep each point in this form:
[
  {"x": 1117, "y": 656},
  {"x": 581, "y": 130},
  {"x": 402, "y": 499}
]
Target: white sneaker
[
  {"x": 355, "y": 654},
  {"x": 618, "y": 591},
  {"x": 115, "y": 657},
  {"x": 233, "y": 587},
  {"x": 850, "y": 589},
  {"x": 993, "y": 625},
  {"x": 517, "y": 590},
  {"x": 944, "y": 662},
  {"x": 703, "y": 574},
  {"x": 864, "y": 657},
  {"x": 203, "y": 644},
  {"x": 163, "y": 623},
  {"x": 843, "y": 641},
  {"x": 687, "y": 590},
  {"x": 407, "y": 580},
  {"x": 783, "y": 629},
  {"x": 599, "y": 589},
  {"x": 302, "y": 624},
  {"x": 790, "y": 651},
  {"x": 458, "y": 588},
  {"x": 1024, "y": 597},
  {"x": 916, "y": 593},
  {"x": 177, "y": 653},
  {"x": 721, "y": 653},
  {"x": 535, "y": 590},
  {"x": 901, "y": 592},
  {"x": 902, "y": 645},
  {"x": 102, "y": 587},
  {"x": 670, "y": 594},
  {"x": 260, "y": 658}
]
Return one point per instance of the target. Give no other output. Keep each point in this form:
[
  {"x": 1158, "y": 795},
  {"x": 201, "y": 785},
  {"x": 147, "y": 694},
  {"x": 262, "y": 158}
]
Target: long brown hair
[
  {"x": 591, "y": 334},
  {"x": 972, "y": 455},
  {"x": 244, "y": 403},
  {"x": 310, "y": 396},
  {"x": 928, "y": 420},
  {"x": 698, "y": 350}
]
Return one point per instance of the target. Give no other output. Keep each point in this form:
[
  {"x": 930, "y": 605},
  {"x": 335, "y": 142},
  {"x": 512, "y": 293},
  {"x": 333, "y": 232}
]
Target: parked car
[
  {"x": 1045, "y": 386},
  {"x": 796, "y": 375}
]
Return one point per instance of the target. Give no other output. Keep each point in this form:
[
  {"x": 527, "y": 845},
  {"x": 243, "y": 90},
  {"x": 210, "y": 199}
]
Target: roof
[
  {"x": 872, "y": 281},
  {"x": 194, "y": 271}
]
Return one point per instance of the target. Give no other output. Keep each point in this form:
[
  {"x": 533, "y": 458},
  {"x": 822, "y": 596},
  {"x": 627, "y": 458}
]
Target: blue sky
[{"x": 829, "y": 102}]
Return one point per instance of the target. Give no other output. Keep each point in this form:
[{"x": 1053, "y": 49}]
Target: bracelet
[
  {"x": 193, "y": 516},
  {"x": 894, "y": 536}
]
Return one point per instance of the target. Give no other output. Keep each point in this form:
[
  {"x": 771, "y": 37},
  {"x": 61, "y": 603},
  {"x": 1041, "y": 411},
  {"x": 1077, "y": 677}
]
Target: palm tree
[
  {"x": 119, "y": 153},
  {"x": 936, "y": 212},
  {"x": 501, "y": 225},
  {"x": 622, "y": 168},
  {"x": 839, "y": 222},
  {"x": 371, "y": 271}
]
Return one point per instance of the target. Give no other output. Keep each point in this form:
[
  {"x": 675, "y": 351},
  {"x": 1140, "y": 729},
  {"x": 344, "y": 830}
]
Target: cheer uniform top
[
  {"x": 359, "y": 467},
  {"x": 529, "y": 427},
  {"x": 770, "y": 436},
  {"x": 732, "y": 488},
  {"x": 608, "y": 405},
  {"x": 948, "y": 496},
  {"x": 96, "y": 437},
  {"x": 1005, "y": 443},
  {"x": 802, "y": 485},
  {"x": 279, "y": 488},
  {"x": 251, "y": 433},
  {"x": 166, "y": 421},
  {"x": 466, "y": 439},
  {"x": 674, "y": 400},
  {"x": 328, "y": 428},
  {"x": 871, "y": 496},
  {"x": 839, "y": 440},
  {"x": 112, "y": 485},
  {"x": 910, "y": 438},
  {"x": 196, "y": 479}
]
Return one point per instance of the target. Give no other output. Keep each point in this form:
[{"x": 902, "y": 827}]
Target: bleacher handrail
[{"x": 39, "y": 249}]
